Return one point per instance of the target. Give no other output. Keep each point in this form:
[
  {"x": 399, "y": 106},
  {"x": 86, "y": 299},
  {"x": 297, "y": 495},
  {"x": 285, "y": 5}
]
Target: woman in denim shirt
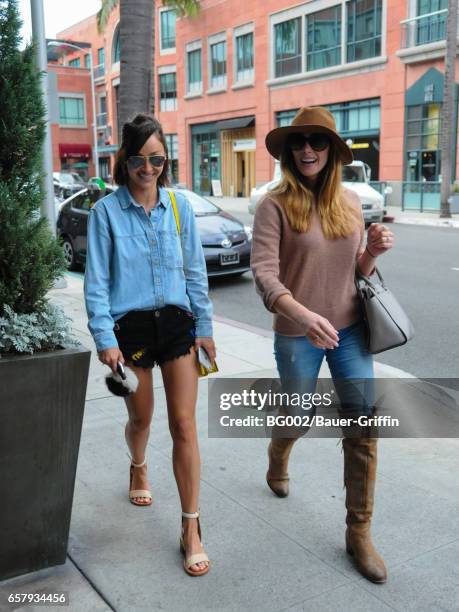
[{"x": 147, "y": 301}]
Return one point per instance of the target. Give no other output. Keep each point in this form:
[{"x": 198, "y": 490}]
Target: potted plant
[
  {"x": 43, "y": 373},
  {"x": 454, "y": 199}
]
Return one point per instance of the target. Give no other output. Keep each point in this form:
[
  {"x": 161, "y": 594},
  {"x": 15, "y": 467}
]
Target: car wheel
[{"x": 69, "y": 254}]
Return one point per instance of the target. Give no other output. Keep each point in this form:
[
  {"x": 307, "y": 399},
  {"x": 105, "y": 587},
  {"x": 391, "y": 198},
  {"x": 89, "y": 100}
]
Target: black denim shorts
[{"x": 146, "y": 337}]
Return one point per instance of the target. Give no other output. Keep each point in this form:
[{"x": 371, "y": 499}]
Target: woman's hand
[
  {"x": 208, "y": 345},
  {"x": 110, "y": 357},
  {"x": 379, "y": 239},
  {"x": 319, "y": 331}
]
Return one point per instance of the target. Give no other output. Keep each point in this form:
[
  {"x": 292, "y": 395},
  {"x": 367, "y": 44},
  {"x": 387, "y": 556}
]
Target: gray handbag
[{"x": 387, "y": 324}]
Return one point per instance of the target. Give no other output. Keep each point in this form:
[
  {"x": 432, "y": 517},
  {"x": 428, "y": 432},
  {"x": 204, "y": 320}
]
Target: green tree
[
  {"x": 137, "y": 92},
  {"x": 31, "y": 259}
]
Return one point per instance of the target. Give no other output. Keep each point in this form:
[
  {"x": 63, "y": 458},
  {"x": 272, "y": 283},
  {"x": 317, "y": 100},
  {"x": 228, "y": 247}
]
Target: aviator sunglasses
[
  {"x": 317, "y": 142},
  {"x": 137, "y": 161}
]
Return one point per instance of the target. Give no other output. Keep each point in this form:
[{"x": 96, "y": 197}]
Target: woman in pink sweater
[{"x": 308, "y": 239}]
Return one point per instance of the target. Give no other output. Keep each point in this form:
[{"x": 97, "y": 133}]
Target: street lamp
[{"x": 57, "y": 43}]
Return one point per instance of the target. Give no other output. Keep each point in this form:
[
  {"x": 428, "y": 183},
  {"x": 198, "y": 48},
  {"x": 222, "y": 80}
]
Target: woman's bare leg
[
  {"x": 181, "y": 385},
  {"x": 140, "y": 410}
]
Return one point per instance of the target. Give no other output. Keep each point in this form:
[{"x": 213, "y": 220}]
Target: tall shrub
[{"x": 31, "y": 258}]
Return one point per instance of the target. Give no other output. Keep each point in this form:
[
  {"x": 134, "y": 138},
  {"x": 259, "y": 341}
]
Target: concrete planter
[
  {"x": 454, "y": 203},
  {"x": 42, "y": 400}
]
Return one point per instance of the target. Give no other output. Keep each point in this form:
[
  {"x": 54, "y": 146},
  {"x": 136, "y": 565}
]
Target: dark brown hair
[{"x": 134, "y": 135}]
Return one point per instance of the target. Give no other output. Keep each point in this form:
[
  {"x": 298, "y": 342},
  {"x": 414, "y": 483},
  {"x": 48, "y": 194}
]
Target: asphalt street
[
  {"x": 419, "y": 270},
  {"x": 423, "y": 272}
]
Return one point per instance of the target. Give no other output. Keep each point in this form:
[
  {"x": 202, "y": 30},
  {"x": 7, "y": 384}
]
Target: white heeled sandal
[
  {"x": 136, "y": 493},
  {"x": 188, "y": 562}
]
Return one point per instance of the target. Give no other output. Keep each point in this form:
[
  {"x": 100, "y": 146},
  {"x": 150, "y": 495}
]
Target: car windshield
[
  {"x": 200, "y": 205},
  {"x": 353, "y": 174}
]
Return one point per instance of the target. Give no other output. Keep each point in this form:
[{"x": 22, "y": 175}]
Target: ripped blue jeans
[{"x": 298, "y": 362}]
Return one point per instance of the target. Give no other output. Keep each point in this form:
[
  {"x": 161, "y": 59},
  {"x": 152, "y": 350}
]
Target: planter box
[
  {"x": 42, "y": 400},
  {"x": 454, "y": 203}
]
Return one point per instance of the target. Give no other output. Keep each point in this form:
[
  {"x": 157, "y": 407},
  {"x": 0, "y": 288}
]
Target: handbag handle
[{"x": 366, "y": 279}]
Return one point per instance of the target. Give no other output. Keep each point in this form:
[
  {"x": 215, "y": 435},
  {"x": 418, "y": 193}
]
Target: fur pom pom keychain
[{"x": 122, "y": 382}]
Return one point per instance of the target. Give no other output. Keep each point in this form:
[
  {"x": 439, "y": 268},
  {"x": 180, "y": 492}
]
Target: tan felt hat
[{"x": 307, "y": 120}]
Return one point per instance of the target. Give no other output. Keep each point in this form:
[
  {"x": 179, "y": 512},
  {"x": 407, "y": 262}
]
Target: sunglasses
[
  {"x": 135, "y": 162},
  {"x": 318, "y": 142}
]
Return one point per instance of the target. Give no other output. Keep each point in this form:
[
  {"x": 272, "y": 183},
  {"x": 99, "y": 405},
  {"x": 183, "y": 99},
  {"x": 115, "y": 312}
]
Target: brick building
[{"x": 227, "y": 77}]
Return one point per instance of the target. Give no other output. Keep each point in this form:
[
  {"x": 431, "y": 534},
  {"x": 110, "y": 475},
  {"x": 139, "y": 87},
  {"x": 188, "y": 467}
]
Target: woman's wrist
[{"x": 369, "y": 252}]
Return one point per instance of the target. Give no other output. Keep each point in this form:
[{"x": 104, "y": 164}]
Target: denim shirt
[{"x": 139, "y": 262}]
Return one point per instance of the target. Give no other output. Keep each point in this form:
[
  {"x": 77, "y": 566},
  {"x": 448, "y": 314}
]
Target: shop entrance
[{"x": 245, "y": 168}]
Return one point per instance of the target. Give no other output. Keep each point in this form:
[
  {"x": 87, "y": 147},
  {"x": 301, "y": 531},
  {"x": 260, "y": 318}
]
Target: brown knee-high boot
[
  {"x": 360, "y": 458},
  {"x": 277, "y": 476}
]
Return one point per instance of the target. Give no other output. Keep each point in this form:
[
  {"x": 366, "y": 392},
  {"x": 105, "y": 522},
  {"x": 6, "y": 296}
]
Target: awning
[
  {"x": 240, "y": 122},
  {"x": 77, "y": 151}
]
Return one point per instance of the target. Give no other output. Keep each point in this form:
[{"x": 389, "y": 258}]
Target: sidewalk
[
  {"x": 412, "y": 217},
  {"x": 268, "y": 554}
]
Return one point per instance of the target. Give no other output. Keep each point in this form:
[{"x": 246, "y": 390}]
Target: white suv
[{"x": 356, "y": 176}]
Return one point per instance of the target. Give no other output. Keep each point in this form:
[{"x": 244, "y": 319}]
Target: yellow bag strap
[{"x": 175, "y": 209}]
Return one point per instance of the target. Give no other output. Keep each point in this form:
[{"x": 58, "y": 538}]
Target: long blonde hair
[{"x": 338, "y": 217}]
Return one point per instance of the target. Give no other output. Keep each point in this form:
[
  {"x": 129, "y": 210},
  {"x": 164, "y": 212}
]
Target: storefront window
[
  {"x": 172, "y": 148},
  {"x": 287, "y": 58},
  {"x": 284, "y": 118},
  {"x": 363, "y": 29},
  {"x": 423, "y": 142},
  {"x": 206, "y": 160},
  {"x": 323, "y": 47}
]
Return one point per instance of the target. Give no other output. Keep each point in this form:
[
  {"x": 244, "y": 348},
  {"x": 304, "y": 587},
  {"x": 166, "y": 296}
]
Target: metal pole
[
  {"x": 38, "y": 32},
  {"x": 94, "y": 116}
]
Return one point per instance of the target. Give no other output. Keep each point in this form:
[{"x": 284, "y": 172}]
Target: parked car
[
  {"x": 67, "y": 183},
  {"x": 225, "y": 239},
  {"x": 356, "y": 176}
]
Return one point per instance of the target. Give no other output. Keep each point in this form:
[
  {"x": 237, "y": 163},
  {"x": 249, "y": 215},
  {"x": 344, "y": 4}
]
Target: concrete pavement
[{"x": 267, "y": 553}]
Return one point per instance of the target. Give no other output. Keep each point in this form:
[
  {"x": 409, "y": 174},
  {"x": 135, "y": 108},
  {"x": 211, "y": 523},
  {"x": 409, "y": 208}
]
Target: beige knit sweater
[{"x": 317, "y": 272}]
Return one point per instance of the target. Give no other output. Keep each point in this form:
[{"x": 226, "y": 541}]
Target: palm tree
[
  {"x": 448, "y": 110},
  {"x": 137, "y": 82}
]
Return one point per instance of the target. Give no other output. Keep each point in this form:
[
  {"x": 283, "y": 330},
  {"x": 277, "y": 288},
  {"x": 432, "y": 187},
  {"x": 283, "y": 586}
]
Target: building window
[
  {"x": 432, "y": 27},
  {"x": 194, "y": 71},
  {"x": 167, "y": 25},
  {"x": 167, "y": 92},
  {"x": 287, "y": 47},
  {"x": 116, "y": 89},
  {"x": 218, "y": 65},
  {"x": 360, "y": 116},
  {"x": 71, "y": 111},
  {"x": 116, "y": 46},
  {"x": 101, "y": 56},
  {"x": 363, "y": 29},
  {"x": 75, "y": 63},
  {"x": 104, "y": 168},
  {"x": 244, "y": 57},
  {"x": 172, "y": 148},
  {"x": 102, "y": 114},
  {"x": 323, "y": 38},
  {"x": 87, "y": 60},
  {"x": 284, "y": 118}
]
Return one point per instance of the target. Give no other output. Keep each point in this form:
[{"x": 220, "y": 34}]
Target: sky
[{"x": 59, "y": 14}]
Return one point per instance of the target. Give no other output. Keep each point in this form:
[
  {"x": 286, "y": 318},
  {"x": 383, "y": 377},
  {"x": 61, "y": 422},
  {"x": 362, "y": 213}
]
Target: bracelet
[{"x": 370, "y": 253}]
